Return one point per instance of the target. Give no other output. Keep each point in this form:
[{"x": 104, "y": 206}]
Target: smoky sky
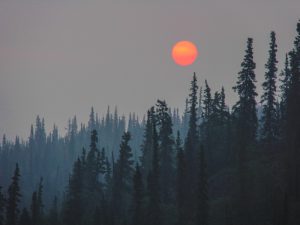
[{"x": 60, "y": 57}]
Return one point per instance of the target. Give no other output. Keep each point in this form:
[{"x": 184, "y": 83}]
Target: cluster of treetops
[{"x": 211, "y": 166}]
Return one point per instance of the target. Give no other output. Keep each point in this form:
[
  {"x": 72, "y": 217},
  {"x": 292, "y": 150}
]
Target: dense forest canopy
[{"x": 210, "y": 165}]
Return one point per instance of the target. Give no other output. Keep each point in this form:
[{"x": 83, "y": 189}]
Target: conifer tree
[
  {"x": 245, "y": 108},
  {"x": 192, "y": 136},
  {"x": 202, "y": 214},
  {"x": 138, "y": 217},
  {"x": 73, "y": 206},
  {"x": 269, "y": 121},
  {"x": 146, "y": 158},
  {"x": 223, "y": 108},
  {"x": 216, "y": 109},
  {"x": 191, "y": 149},
  {"x": 167, "y": 169},
  {"x": 207, "y": 102},
  {"x": 13, "y": 199},
  {"x": 123, "y": 180},
  {"x": 92, "y": 121},
  {"x": 154, "y": 213},
  {"x": 246, "y": 125},
  {"x": 181, "y": 182},
  {"x": 108, "y": 176}
]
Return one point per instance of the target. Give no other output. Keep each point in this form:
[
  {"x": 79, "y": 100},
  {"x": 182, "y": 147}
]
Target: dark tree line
[{"x": 211, "y": 166}]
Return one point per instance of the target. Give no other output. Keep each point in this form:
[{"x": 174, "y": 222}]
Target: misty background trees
[{"x": 210, "y": 165}]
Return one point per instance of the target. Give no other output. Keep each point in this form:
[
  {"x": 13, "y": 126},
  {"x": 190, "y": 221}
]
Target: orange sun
[{"x": 184, "y": 53}]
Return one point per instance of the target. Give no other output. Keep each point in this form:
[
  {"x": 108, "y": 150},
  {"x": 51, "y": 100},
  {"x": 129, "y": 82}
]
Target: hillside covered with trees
[{"x": 212, "y": 165}]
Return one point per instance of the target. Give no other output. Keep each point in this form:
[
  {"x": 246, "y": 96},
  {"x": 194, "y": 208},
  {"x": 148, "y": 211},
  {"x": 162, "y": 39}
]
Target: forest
[{"x": 212, "y": 165}]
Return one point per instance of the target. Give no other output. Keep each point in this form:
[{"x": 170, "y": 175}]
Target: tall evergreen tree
[
  {"x": 92, "y": 121},
  {"x": 202, "y": 213},
  {"x": 181, "y": 182},
  {"x": 191, "y": 149},
  {"x": 138, "y": 217},
  {"x": 167, "y": 169},
  {"x": 13, "y": 199},
  {"x": 123, "y": 180},
  {"x": 73, "y": 206},
  {"x": 245, "y": 108},
  {"x": 93, "y": 189},
  {"x": 154, "y": 213},
  {"x": 246, "y": 124},
  {"x": 192, "y": 135},
  {"x": 207, "y": 101},
  {"x": 146, "y": 148},
  {"x": 269, "y": 119},
  {"x": 108, "y": 177}
]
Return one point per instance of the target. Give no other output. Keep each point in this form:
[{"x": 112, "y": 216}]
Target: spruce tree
[
  {"x": 203, "y": 207},
  {"x": 245, "y": 108},
  {"x": 154, "y": 213},
  {"x": 92, "y": 163},
  {"x": 223, "y": 108},
  {"x": 123, "y": 180},
  {"x": 73, "y": 205},
  {"x": 146, "y": 158},
  {"x": 207, "y": 102},
  {"x": 13, "y": 199},
  {"x": 92, "y": 168},
  {"x": 167, "y": 169},
  {"x": 92, "y": 121},
  {"x": 269, "y": 131},
  {"x": 245, "y": 115},
  {"x": 108, "y": 177},
  {"x": 181, "y": 182},
  {"x": 138, "y": 217},
  {"x": 191, "y": 148}
]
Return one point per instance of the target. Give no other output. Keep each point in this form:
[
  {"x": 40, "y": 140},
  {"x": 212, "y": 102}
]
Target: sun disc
[{"x": 184, "y": 53}]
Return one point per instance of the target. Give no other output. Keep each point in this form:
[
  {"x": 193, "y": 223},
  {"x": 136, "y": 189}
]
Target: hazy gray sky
[{"x": 60, "y": 57}]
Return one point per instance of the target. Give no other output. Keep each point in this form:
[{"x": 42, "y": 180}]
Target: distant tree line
[{"x": 213, "y": 165}]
